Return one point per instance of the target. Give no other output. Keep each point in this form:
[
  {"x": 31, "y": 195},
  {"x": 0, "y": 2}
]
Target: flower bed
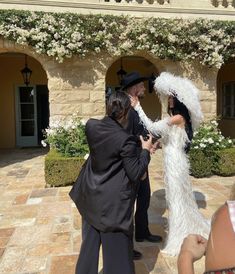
[
  {"x": 211, "y": 153},
  {"x": 68, "y": 151}
]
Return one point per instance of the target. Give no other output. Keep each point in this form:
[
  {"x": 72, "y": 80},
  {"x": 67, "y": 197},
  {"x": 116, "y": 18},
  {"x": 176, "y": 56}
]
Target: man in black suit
[
  {"x": 105, "y": 190},
  {"x": 133, "y": 84}
]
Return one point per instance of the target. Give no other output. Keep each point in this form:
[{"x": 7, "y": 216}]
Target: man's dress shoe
[{"x": 150, "y": 238}]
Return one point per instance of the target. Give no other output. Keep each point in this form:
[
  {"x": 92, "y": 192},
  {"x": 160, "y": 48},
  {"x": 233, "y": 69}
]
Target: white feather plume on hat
[{"x": 168, "y": 84}]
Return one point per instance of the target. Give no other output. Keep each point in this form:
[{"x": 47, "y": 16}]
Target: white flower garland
[{"x": 64, "y": 34}]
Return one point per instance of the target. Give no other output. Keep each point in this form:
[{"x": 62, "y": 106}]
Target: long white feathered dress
[{"x": 184, "y": 216}]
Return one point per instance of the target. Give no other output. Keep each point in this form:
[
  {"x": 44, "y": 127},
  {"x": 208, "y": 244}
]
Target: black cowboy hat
[{"x": 132, "y": 79}]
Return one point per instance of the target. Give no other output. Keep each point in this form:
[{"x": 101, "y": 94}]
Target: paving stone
[
  {"x": 26, "y": 236},
  {"x": 22, "y": 211},
  {"x": 16, "y": 222},
  {"x": 63, "y": 264},
  {"x": 43, "y": 192},
  {"x": 77, "y": 240},
  {"x": 7, "y": 232},
  {"x": 19, "y": 172},
  {"x": 77, "y": 221},
  {"x": 61, "y": 228},
  {"x": 44, "y": 220},
  {"x": 33, "y": 264},
  {"x": 34, "y": 201},
  {"x": 1, "y": 252},
  {"x": 12, "y": 260},
  {"x": 40, "y": 228},
  {"x": 40, "y": 250},
  {"x": 4, "y": 241},
  {"x": 21, "y": 199},
  {"x": 55, "y": 210}
]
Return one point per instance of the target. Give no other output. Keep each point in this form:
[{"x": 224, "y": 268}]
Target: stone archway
[
  {"x": 24, "y": 110},
  {"x": 226, "y": 99},
  {"x": 142, "y": 65}
]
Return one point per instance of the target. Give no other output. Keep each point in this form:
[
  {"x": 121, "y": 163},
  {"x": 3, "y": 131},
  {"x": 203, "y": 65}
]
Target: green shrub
[
  {"x": 200, "y": 164},
  {"x": 208, "y": 138},
  {"x": 225, "y": 165},
  {"x": 68, "y": 138},
  {"x": 60, "y": 170}
]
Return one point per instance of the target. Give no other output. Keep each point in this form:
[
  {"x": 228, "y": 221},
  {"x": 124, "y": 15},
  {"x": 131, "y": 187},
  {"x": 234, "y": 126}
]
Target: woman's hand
[
  {"x": 134, "y": 100},
  {"x": 194, "y": 246}
]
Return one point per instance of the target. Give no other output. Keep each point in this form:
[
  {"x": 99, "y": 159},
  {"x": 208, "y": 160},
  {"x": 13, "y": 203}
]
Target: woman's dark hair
[
  {"x": 180, "y": 108},
  {"x": 118, "y": 104}
]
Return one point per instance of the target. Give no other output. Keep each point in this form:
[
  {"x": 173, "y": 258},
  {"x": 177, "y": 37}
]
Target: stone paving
[{"x": 40, "y": 229}]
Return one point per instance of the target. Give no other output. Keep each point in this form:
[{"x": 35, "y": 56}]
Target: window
[{"x": 228, "y": 110}]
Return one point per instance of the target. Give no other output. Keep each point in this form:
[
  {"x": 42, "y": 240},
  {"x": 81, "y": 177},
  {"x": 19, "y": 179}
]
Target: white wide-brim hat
[{"x": 167, "y": 84}]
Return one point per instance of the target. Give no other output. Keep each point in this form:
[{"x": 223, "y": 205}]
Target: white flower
[
  {"x": 210, "y": 141},
  {"x": 43, "y": 143},
  {"x": 230, "y": 141},
  {"x": 86, "y": 156},
  {"x": 214, "y": 123},
  {"x": 83, "y": 122}
]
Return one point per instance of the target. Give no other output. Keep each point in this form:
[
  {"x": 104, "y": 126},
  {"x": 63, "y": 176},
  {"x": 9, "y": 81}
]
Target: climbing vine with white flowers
[{"x": 63, "y": 35}]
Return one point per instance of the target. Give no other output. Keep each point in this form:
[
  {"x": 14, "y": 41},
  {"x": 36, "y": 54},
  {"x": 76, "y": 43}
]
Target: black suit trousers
[
  {"x": 116, "y": 248},
  {"x": 142, "y": 205}
]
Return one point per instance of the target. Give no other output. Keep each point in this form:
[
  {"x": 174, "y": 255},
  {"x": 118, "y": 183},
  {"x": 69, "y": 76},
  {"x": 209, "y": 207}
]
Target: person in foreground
[
  {"x": 105, "y": 190},
  {"x": 176, "y": 131},
  {"x": 220, "y": 248}
]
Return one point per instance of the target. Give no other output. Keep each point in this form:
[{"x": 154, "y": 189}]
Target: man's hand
[
  {"x": 155, "y": 146},
  {"x": 146, "y": 144}
]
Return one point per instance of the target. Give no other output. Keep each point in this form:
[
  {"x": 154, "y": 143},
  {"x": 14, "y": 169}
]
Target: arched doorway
[
  {"x": 24, "y": 109},
  {"x": 150, "y": 102},
  {"x": 226, "y": 99}
]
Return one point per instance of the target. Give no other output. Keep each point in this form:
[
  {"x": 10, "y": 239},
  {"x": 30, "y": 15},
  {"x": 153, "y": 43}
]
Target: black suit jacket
[
  {"x": 104, "y": 192},
  {"x": 135, "y": 126}
]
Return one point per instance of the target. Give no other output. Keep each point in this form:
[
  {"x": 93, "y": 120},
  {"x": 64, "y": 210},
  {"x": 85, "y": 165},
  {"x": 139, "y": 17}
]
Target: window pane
[
  {"x": 227, "y": 112},
  {"x": 227, "y": 99},
  {"x": 26, "y": 94},
  {"x": 27, "y": 111},
  {"x": 27, "y": 128}
]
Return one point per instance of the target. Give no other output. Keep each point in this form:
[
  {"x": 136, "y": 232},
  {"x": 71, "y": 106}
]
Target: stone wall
[{"x": 78, "y": 85}]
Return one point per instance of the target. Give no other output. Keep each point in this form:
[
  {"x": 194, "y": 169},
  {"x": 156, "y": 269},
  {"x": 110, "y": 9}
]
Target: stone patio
[{"x": 40, "y": 229}]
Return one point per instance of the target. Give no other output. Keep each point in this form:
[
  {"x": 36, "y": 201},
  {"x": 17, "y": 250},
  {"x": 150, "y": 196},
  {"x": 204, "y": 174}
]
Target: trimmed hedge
[
  {"x": 226, "y": 162},
  {"x": 220, "y": 162},
  {"x": 60, "y": 170},
  {"x": 200, "y": 164}
]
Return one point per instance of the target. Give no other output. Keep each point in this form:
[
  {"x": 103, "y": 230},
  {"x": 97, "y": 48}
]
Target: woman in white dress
[{"x": 176, "y": 132}]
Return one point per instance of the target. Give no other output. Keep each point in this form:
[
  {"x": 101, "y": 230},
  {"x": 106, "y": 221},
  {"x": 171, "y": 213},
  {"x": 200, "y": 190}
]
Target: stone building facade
[{"x": 57, "y": 90}]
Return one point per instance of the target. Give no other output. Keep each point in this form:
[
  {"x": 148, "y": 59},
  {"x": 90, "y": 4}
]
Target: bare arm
[
  {"x": 177, "y": 120},
  {"x": 221, "y": 244},
  {"x": 192, "y": 249}
]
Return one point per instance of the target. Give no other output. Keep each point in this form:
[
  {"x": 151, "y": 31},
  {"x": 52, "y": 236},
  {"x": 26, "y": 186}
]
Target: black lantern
[
  {"x": 26, "y": 72},
  {"x": 121, "y": 73}
]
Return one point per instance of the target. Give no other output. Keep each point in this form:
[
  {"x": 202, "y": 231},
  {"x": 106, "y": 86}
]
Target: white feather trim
[{"x": 168, "y": 84}]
